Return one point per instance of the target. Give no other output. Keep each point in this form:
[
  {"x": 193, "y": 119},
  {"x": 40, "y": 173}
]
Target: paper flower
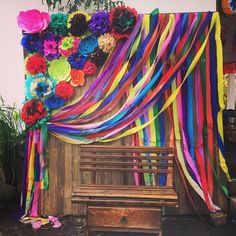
[
  {"x": 77, "y": 78},
  {"x": 34, "y": 113},
  {"x": 233, "y": 5},
  {"x": 54, "y": 102},
  {"x": 68, "y": 45},
  {"x": 64, "y": 90},
  {"x": 39, "y": 86},
  {"x": 33, "y": 21},
  {"x": 35, "y": 64},
  {"x": 90, "y": 68},
  {"x": 123, "y": 20},
  {"x": 77, "y": 23},
  {"x": 59, "y": 69},
  {"x": 98, "y": 57},
  {"x": 58, "y": 24},
  {"x": 32, "y": 43},
  {"x": 106, "y": 42},
  {"x": 76, "y": 60},
  {"x": 99, "y": 23},
  {"x": 87, "y": 45}
]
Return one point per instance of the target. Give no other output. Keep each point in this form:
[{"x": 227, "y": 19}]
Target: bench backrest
[{"x": 125, "y": 165}]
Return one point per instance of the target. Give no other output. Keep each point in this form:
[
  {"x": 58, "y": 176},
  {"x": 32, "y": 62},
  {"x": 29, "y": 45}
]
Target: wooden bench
[{"x": 109, "y": 197}]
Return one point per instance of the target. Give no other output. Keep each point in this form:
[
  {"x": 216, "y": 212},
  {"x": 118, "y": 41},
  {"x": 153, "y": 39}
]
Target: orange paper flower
[{"x": 77, "y": 78}]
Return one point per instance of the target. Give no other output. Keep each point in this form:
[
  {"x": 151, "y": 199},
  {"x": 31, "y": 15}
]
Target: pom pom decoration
[
  {"x": 77, "y": 61},
  {"x": 32, "y": 43},
  {"x": 99, "y": 23},
  {"x": 98, "y": 57},
  {"x": 87, "y": 45},
  {"x": 33, "y": 21},
  {"x": 34, "y": 113},
  {"x": 106, "y": 42},
  {"x": 90, "y": 68},
  {"x": 68, "y": 45},
  {"x": 64, "y": 90},
  {"x": 123, "y": 20},
  {"x": 59, "y": 69},
  {"x": 35, "y": 64},
  {"x": 77, "y": 78},
  {"x": 58, "y": 24},
  {"x": 77, "y": 23},
  {"x": 39, "y": 86},
  {"x": 54, "y": 102}
]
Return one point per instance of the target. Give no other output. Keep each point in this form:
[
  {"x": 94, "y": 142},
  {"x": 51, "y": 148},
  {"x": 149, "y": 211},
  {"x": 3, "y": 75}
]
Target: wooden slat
[
  {"x": 105, "y": 148},
  {"x": 97, "y": 169},
  {"x": 113, "y": 163},
  {"x": 137, "y": 157},
  {"x": 126, "y": 202}
]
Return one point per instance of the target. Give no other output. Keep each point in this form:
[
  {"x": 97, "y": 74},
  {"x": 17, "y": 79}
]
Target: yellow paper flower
[{"x": 106, "y": 42}]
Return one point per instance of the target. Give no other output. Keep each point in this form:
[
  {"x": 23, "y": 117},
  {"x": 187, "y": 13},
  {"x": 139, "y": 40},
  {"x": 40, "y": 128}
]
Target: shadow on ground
[{"x": 172, "y": 226}]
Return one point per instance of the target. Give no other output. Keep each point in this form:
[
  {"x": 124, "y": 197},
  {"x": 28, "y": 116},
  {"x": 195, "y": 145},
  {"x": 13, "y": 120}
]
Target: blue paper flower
[
  {"x": 233, "y": 5},
  {"x": 39, "y": 86},
  {"x": 99, "y": 23},
  {"x": 77, "y": 61},
  {"x": 54, "y": 102},
  {"x": 32, "y": 43},
  {"x": 87, "y": 45}
]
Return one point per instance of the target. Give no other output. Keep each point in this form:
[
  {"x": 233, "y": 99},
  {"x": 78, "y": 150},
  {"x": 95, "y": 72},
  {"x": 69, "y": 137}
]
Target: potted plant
[{"x": 12, "y": 140}]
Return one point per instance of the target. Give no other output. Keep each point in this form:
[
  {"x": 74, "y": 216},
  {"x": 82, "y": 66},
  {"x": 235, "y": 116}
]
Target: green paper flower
[
  {"x": 58, "y": 24},
  {"x": 59, "y": 69}
]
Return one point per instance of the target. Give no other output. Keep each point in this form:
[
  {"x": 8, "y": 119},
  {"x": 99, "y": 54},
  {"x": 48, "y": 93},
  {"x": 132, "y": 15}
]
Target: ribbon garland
[{"x": 158, "y": 68}]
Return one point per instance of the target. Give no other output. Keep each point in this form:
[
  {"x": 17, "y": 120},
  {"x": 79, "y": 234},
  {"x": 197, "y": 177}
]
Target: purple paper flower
[
  {"x": 99, "y": 23},
  {"x": 77, "y": 61}
]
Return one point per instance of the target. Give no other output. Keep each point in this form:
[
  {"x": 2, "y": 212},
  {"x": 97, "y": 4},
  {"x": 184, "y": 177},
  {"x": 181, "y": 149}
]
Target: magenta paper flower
[{"x": 33, "y": 21}]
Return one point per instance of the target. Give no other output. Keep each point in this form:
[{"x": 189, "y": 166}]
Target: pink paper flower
[{"x": 33, "y": 21}]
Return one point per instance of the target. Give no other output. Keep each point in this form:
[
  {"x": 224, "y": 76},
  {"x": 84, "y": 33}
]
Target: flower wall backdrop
[{"x": 148, "y": 63}]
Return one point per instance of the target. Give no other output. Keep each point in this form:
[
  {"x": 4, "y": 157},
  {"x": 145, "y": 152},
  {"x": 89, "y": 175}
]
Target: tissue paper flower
[
  {"x": 59, "y": 69},
  {"x": 99, "y": 23},
  {"x": 64, "y": 90},
  {"x": 87, "y": 45},
  {"x": 90, "y": 68},
  {"x": 77, "y": 23},
  {"x": 68, "y": 45},
  {"x": 106, "y": 42},
  {"x": 34, "y": 113},
  {"x": 76, "y": 60},
  {"x": 123, "y": 20},
  {"x": 33, "y": 21},
  {"x": 54, "y": 102},
  {"x": 39, "y": 86},
  {"x": 77, "y": 78},
  {"x": 32, "y": 43},
  {"x": 98, "y": 57},
  {"x": 58, "y": 24},
  {"x": 35, "y": 64}
]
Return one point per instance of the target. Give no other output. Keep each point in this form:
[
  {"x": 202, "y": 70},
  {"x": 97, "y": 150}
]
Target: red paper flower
[
  {"x": 64, "y": 90},
  {"x": 90, "y": 68},
  {"x": 33, "y": 112},
  {"x": 36, "y": 64}
]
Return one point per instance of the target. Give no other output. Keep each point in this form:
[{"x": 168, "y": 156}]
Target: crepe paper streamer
[{"x": 140, "y": 73}]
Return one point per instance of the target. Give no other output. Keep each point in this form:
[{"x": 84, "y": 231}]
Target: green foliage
[
  {"x": 74, "y": 5},
  {"x": 12, "y": 140}
]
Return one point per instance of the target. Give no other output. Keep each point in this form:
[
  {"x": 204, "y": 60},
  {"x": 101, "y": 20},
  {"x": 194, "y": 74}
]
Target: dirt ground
[{"x": 172, "y": 226}]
